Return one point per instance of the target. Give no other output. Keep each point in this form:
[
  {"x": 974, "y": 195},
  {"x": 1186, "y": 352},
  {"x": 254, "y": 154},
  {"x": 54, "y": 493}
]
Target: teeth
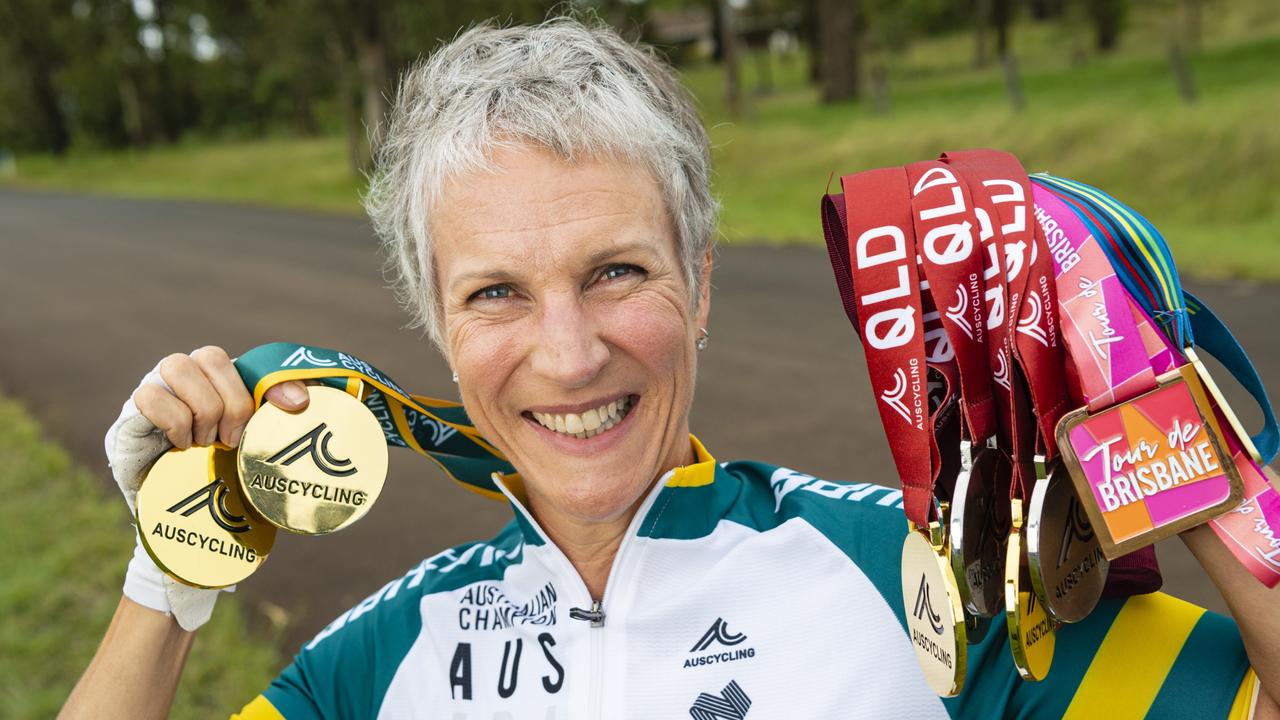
[{"x": 588, "y": 424}]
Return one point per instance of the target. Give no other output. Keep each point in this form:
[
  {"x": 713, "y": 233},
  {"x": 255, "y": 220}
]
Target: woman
[{"x": 544, "y": 194}]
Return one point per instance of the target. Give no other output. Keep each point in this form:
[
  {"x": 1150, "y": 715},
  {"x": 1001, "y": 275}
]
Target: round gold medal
[
  {"x": 935, "y": 621},
  {"x": 1066, "y": 562},
  {"x": 314, "y": 471},
  {"x": 1031, "y": 630},
  {"x": 192, "y": 519}
]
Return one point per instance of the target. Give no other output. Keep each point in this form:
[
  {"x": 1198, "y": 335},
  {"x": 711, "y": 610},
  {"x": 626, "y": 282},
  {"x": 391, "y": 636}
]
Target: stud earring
[{"x": 703, "y": 338}]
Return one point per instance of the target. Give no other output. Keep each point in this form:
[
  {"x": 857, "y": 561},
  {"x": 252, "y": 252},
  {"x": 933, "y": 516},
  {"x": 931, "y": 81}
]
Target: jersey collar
[{"x": 701, "y": 473}]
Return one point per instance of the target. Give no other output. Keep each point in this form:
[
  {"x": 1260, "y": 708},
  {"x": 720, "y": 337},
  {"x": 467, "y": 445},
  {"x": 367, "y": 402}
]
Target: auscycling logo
[
  {"x": 212, "y": 497},
  {"x": 718, "y": 634},
  {"x": 315, "y": 444},
  {"x": 924, "y": 607}
]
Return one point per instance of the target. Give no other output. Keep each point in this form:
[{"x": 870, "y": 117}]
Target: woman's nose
[{"x": 568, "y": 348}]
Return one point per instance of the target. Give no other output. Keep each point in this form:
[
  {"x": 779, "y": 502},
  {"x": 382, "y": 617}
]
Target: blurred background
[{"x": 175, "y": 173}]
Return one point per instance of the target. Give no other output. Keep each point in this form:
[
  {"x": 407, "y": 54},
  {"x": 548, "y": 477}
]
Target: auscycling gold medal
[
  {"x": 935, "y": 620},
  {"x": 193, "y": 523},
  {"x": 1031, "y": 631},
  {"x": 979, "y": 527},
  {"x": 314, "y": 471},
  {"x": 1068, "y": 569}
]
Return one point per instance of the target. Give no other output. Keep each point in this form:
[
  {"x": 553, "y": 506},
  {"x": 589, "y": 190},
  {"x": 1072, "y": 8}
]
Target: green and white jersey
[{"x": 742, "y": 590}]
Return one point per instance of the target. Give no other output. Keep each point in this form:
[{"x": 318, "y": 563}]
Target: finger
[
  {"x": 237, "y": 404},
  {"x": 165, "y": 412},
  {"x": 291, "y": 396},
  {"x": 188, "y": 382}
]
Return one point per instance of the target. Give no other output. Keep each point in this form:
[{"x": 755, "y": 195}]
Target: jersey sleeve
[
  {"x": 1152, "y": 656},
  {"x": 1146, "y": 656},
  {"x": 345, "y": 670}
]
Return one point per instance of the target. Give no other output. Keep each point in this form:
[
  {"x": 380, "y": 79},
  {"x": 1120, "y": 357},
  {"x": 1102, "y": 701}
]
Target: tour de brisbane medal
[
  {"x": 193, "y": 523},
  {"x": 1032, "y": 636},
  {"x": 1068, "y": 569},
  {"x": 314, "y": 471},
  {"x": 935, "y": 620}
]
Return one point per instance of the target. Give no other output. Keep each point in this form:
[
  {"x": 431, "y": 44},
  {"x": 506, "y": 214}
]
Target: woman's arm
[
  {"x": 136, "y": 669},
  {"x": 1255, "y": 607}
]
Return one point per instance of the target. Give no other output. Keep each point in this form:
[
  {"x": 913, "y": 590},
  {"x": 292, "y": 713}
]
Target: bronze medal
[
  {"x": 1031, "y": 631},
  {"x": 1066, "y": 562},
  {"x": 979, "y": 528},
  {"x": 314, "y": 471},
  {"x": 935, "y": 620},
  {"x": 192, "y": 519}
]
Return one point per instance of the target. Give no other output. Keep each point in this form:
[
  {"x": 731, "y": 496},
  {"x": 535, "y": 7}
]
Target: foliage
[{"x": 66, "y": 543}]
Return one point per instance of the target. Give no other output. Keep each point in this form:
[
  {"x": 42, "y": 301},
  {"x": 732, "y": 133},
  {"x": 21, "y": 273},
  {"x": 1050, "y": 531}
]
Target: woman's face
[{"x": 570, "y": 326}]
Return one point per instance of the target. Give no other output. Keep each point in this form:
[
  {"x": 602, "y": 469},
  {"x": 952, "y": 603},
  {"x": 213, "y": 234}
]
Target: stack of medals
[
  {"x": 208, "y": 515},
  {"x": 990, "y": 305}
]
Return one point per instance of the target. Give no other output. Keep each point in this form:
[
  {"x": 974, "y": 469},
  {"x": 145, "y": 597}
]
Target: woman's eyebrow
[
  {"x": 489, "y": 276},
  {"x": 620, "y": 248}
]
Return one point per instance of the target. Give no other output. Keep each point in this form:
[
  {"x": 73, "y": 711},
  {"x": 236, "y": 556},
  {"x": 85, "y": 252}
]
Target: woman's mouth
[{"x": 588, "y": 423}]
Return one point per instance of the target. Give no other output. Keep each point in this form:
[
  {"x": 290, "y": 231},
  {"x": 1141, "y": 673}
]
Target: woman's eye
[
  {"x": 613, "y": 272},
  {"x": 493, "y": 292}
]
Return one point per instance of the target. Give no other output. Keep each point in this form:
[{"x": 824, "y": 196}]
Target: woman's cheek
[{"x": 651, "y": 328}]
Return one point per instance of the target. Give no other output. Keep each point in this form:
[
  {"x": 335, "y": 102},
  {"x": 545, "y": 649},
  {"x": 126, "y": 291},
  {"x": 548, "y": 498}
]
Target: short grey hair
[{"x": 578, "y": 90}]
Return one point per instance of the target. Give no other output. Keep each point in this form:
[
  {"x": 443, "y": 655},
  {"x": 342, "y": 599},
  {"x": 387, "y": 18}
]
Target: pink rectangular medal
[{"x": 1153, "y": 466}]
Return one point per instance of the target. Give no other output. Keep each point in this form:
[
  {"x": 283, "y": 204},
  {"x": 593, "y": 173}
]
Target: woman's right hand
[
  {"x": 185, "y": 401},
  {"x": 202, "y": 399}
]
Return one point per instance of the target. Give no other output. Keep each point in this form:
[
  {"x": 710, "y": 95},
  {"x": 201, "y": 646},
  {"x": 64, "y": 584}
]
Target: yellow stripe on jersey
[
  {"x": 259, "y": 709},
  {"x": 1246, "y": 698},
  {"x": 1131, "y": 664}
]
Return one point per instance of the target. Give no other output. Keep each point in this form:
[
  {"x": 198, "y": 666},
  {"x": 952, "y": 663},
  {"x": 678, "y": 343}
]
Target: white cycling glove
[{"x": 133, "y": 443}]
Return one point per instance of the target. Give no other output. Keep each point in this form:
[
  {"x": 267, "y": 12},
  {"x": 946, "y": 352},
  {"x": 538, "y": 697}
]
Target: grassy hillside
[{"x": 66, "y": 541}]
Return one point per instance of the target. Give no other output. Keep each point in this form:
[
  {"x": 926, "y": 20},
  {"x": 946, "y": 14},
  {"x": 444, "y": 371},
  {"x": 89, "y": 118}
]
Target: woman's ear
[{"x": 704, "y": 287}]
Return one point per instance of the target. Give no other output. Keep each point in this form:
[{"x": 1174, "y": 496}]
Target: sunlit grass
[{"x": 66, "y": 541}]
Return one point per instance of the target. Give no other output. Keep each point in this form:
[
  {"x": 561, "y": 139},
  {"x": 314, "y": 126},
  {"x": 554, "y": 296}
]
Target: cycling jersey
[{"x": 742, "y": 590}]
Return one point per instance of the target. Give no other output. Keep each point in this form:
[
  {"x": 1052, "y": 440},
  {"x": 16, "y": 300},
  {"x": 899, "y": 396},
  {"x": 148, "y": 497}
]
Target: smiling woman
[{"x": 543, "y": 195}]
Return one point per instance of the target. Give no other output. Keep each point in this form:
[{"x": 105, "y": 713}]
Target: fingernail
[
  {"x": 295, "y": 394},
  {"x": 233, "y": 438}
]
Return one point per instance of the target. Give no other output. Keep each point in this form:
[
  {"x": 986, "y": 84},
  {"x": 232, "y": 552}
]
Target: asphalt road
[{"x": 93, "y": 291}]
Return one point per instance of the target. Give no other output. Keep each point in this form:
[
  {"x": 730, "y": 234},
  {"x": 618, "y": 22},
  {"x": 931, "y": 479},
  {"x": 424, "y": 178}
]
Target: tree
[
  {"x": 1108, "y": 18},
  {"x": 839, "y": 44},
  {"x": 27, "y": 28}
]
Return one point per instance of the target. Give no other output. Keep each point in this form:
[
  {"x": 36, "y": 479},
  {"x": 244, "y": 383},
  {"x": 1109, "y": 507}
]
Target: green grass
[
  {"x": 1204, "y": 173},
  {"x": 65, "y": 543}
]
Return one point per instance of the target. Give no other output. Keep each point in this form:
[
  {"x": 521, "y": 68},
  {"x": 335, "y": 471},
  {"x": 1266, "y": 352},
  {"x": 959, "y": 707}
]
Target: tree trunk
[
  {"x": 1108, "y": 20},
  {"x": 168, "y": 96},
  {"x": 372, "y": 62},
  {"x": 357, "y": 155},
  {"x": 1013, "y": 83},
  {"x": 1002, "y": 21},
  {"x": 837, "y": 29},
  {"x": 729, "y": 60},
  {"x": 1182, "y": 73},
  {"x": 981, "y": 22}
]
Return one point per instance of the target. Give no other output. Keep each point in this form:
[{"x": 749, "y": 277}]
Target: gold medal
[
  {"x": 1068, "y": 569},
  {"x": 314, "y": 471},
  {"x": 978, "y": 529},
  {"x": 192, "y": 520},
  {"x": 935, "y": 621},
  {"x": 1031, "y": 631}
]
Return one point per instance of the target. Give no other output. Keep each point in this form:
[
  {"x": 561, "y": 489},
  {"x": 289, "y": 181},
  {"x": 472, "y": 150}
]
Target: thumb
[{"x": 291, "y": 396}]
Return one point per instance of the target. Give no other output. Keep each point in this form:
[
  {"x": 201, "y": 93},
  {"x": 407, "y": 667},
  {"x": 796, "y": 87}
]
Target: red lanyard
[{"x": 889, "y": 312}]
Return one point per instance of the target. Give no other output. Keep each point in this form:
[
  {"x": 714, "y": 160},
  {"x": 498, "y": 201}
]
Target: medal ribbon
[
  {"x": 951, "y": 257},
  {"x": 884, "y": 288},
  {"x": 1031, "y": 304},
  {"x": 437, "y": 429},
  {"x": 1127, "y": 350}
]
